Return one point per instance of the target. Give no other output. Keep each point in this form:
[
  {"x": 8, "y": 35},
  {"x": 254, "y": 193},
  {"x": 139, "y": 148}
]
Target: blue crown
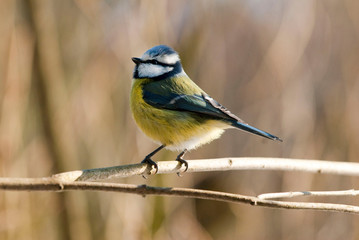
[{"x": 160, "y": 50}]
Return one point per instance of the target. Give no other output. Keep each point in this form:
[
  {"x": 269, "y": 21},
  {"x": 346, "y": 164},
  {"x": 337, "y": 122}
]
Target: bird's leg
[
  {"x": 182, "y": 161},
  {"x": 149, "y": 161}
]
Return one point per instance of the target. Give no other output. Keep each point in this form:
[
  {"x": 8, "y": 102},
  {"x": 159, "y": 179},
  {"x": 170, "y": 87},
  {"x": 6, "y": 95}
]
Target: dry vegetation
[{"x": 289, "y": 67}]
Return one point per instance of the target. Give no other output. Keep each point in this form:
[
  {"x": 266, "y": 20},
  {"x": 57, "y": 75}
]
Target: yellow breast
[{"x": 176, "y": 129}]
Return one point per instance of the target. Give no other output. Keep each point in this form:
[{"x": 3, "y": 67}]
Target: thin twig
[
  {"x": 218, "y": 164},
  {"x": 350, "y": 192},
  {"x": 54, "y": 184}
]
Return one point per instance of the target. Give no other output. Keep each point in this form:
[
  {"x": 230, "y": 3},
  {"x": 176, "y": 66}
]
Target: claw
[
  {"x": 152, "y": 164},
  {"x": 182, "y": 161}
]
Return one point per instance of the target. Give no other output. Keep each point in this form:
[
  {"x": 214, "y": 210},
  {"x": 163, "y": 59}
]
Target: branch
[
  {"x": 350, "y": 192},
  {"x": 55, "y": 184},
  {"x": 218, "y": 164}
]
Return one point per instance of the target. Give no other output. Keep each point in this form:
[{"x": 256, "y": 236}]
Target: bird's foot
[
  {"x": 183, "y": 162},
  {"x": 152, "y": 164}
]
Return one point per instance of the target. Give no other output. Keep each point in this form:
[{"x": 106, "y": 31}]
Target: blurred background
[{"x": 288, "y": 67}]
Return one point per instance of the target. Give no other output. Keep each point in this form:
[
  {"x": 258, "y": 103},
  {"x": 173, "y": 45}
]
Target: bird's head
[{"x": 158, "y": 62}]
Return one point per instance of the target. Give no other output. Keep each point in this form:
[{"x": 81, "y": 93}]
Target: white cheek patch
[{"x": 150, "y": 70}]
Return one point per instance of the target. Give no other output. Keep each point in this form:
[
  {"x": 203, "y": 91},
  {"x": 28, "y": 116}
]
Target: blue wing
[
  {"x": 202, "y": 105},
  {"x": 191, "y": 103}
]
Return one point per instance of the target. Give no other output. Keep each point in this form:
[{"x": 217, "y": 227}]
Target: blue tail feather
[{"x": 248, "y": 128}]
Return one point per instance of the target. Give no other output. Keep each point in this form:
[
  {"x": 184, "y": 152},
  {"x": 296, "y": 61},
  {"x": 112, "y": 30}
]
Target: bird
[{"x": 173, "y": 111}]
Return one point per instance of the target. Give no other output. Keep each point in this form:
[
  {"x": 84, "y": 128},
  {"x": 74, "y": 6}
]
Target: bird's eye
[{"x": 155, "y": 62}]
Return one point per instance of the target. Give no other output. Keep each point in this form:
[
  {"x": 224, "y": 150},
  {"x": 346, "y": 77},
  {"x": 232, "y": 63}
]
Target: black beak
[{"x": 137, "y": 60}]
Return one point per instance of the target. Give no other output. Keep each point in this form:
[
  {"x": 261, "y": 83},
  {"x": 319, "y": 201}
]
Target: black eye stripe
[{"x": 155, "y": 62}]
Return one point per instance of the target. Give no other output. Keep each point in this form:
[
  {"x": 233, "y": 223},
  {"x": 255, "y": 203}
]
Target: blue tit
[{"x": 172, "y": 110}]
